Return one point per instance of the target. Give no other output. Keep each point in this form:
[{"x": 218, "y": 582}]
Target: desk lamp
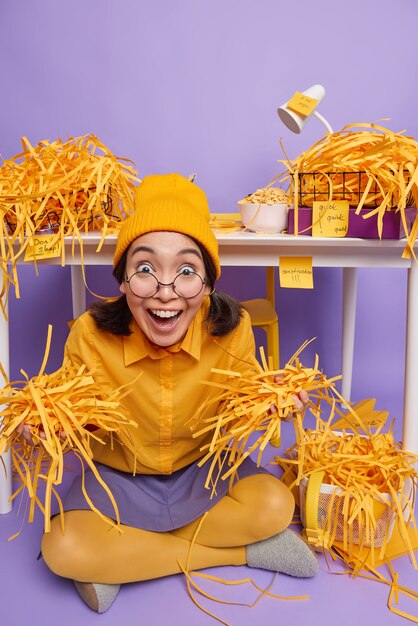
[{"x": 291, "y": 112}]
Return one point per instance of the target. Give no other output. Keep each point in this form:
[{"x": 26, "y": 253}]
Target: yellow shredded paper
[
  {"x": 246, "y": 402},
  {"x": 60, "y": 408}
]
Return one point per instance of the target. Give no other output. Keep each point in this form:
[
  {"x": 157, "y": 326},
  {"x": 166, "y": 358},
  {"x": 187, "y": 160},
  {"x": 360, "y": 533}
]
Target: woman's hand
[
  {"x": 300, "y": 400},
  {"x": 27, "y": 433}
]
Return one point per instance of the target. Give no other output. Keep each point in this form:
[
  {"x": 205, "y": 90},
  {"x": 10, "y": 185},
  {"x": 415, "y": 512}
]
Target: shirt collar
[{"x": 136, "y": 346}]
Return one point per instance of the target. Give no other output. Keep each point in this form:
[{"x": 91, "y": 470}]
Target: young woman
[{"x": 172, "y": 327}]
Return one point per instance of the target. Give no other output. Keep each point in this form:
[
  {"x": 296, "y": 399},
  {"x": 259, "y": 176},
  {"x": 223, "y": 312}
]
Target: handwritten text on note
[
  {"x": 296, "y": 272},
  {"x": 43, "y": 247},
  {"x": 301, "y": 104},
  {"x": 330, "y": 219}
]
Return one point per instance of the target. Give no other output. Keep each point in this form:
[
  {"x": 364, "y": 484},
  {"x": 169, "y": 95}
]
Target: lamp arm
[{"x": 323, "y": 120}]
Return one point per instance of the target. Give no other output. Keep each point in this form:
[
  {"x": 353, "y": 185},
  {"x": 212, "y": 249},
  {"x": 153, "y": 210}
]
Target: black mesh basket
[
  {"x": 349, "y": 186},
  {"x": 50, "y": 218}
]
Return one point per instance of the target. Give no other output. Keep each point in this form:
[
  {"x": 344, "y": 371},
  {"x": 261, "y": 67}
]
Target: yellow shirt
[{"x": 167, "y": 396}]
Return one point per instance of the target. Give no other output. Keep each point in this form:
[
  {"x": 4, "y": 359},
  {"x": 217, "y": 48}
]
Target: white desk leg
[
  {"x": 78, "y": 291},
  {"x": 5, "y": 459},
  {"x": 349, "y": 325},
  {"x": 410, "y": 417}
]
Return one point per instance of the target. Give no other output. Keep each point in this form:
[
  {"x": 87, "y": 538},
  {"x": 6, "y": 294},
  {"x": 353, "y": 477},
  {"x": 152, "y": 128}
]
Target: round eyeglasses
[{"x": 186, "y": 285}]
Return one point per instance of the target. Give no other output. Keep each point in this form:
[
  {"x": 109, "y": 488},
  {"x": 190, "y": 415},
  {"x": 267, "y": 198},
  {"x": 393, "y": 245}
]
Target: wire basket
[
  {"x": 327, "y": 509},
  {"x": 349, "y": 186},
  {"x": 50, "y": 218},
  {"x": 331, "y": 516}
]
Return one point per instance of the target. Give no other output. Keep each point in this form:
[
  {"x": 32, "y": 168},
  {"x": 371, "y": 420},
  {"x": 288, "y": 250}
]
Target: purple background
[{"x": 193, "y": 86}]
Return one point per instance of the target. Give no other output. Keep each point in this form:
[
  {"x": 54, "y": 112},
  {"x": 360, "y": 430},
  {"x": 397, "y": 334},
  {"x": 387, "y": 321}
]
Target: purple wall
[{"x": 193, "y": 86}]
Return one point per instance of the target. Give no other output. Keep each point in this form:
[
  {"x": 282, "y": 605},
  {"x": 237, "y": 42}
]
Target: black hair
[{"x": 224, "y": 314}]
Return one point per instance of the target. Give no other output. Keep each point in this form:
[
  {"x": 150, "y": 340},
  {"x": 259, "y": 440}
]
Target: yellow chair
[
  {"x": 263, "y": 315},
  {"x": 262, "y": 310}
]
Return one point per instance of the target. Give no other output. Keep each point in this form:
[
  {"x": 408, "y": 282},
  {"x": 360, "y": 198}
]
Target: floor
[{"x": 30, "y": 594}]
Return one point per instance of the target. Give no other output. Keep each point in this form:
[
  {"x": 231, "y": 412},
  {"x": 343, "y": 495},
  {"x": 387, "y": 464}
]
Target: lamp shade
[{"x": 293, "y": 120}]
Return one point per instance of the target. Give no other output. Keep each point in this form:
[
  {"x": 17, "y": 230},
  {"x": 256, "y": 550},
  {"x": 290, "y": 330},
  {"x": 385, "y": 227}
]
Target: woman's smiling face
[{"x": 164, "y": 317}]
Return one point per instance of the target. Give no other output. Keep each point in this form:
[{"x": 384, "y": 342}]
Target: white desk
[{"x": 251, "y": 249}]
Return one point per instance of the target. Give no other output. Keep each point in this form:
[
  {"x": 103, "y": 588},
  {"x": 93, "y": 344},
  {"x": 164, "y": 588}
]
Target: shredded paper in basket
[
  {"x": 364, "y": 487},
  {"x": 62, "y": 187},
  {"x": 387, "y": 160}
]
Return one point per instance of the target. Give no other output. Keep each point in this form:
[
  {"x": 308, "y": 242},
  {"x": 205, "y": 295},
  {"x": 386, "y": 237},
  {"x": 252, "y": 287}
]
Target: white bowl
[{"x": 264, "y": 218}]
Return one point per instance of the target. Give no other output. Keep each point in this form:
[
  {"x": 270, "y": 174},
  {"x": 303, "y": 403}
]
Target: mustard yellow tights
[{"x": 90, "y": 550}]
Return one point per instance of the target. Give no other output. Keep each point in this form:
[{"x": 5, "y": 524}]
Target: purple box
[{"x": 357, "y": 225}]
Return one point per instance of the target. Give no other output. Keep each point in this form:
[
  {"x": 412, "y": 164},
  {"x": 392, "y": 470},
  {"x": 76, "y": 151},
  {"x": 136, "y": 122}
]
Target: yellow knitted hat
[{"x": 173, "y": 203}]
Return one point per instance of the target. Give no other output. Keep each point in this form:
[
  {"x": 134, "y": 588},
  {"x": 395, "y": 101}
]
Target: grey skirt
[{"x": 154, "y": 502}]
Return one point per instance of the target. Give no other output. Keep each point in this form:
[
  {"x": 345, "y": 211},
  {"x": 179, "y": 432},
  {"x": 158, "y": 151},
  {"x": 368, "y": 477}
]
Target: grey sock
[
  {"x": 106, "y": 594},
  {"x": 286, "y": 553},
  {"x": 97, "y": 596}
]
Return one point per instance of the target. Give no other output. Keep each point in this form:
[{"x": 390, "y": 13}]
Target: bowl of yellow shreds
[{"x": 265, "y": 210}]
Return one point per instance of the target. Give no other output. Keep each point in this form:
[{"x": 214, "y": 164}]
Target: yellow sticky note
[
  {"x": 43, "y": 247},
  {"x": 330, "y": 219},
  {"x": 296, "y": 272},
  {"x": 301, "y": 104}
]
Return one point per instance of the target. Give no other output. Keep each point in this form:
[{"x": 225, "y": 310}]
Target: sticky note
[
  {"x": 296, "y": 272},
  {"x": 330, "y": 219},
  {"x": 301, "y": 104},
  {"x": 43, "y": 247}
]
